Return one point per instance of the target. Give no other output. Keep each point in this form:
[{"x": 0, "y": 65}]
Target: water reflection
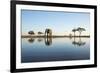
[
  {"x": 48, "y": 41},
  {"x": 54, "y": 49},
  {"x": 79, "y": 42},
  {"x": 31, "y": 40},
  {"x": 40, "y": 39}
]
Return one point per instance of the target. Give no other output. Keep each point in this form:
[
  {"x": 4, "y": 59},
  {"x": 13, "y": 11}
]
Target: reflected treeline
[
  {"x": 31, "y": 40},
  {"x": 79, "y": 42},
  {"x": 40, "y": 39},
  {"x": 48, "y": 40}
]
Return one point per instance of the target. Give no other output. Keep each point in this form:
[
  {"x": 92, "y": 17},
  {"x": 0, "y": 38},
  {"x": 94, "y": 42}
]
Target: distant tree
[
  {"x": 40, "y": 32},
  {"x": 80, "y": 30},
  {"x": 31, "y": 32},
  {"x": 74, "y": 30}
]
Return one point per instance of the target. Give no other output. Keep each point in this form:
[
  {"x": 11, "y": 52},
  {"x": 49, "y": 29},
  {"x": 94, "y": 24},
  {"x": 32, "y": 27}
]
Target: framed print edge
[{"x": 13, "y": 36}]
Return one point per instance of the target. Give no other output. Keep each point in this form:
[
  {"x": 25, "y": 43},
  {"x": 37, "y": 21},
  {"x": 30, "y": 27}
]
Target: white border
[{"x": 20, "y": 65}]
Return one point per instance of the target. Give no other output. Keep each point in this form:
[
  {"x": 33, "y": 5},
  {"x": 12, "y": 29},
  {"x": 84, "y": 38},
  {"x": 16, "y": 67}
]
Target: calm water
[{"x": 54, "y": 49}]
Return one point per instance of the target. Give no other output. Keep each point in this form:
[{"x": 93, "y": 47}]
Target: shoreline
[{"x": 54, "y": 36}]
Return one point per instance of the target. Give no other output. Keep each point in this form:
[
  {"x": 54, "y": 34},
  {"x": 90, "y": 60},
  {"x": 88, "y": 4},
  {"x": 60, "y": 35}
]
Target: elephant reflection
[
  {"x": 31, "y": 40},
  {"x": 48, "y": 41},
  {"x": 78, "y": 43}
]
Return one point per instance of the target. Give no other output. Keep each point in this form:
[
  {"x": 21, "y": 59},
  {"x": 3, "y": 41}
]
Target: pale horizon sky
[{"x": 61, "y": 23}]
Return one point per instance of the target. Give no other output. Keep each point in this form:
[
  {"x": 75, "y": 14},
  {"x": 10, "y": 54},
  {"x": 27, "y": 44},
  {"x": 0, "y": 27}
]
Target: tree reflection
[
  {"x": 79, "y": 42},
  {"x": 31, "y": 40},
  {"x": 40, "y": 39},
  {"x": 48, "y": 41}
]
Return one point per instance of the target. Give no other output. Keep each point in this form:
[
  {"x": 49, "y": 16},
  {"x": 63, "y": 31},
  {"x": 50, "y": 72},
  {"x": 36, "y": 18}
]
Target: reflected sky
[{"x": 54, "y": 49}]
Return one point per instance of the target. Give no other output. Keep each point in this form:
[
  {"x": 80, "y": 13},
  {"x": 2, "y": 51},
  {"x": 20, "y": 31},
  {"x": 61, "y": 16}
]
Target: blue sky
[{"x": 59, "y": 22}]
